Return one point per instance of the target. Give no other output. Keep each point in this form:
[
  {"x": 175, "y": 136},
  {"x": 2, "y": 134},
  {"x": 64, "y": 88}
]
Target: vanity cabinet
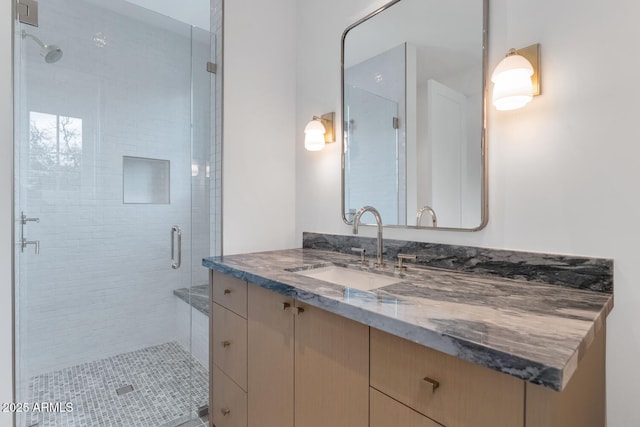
[
  {"x": 278, "y": 362},
  {"x": 444, "y": 388},
  {"x": 582, "y": 402},
  {"x": 385, "y": 412},
  {"x": 307, "y": 367},
  {"x": 331, "y": 370},
  {"x": 229, "y": 407},
  {"x": 303, "y": 366},
  {"x": 228, "y": 349},
  {"x": 403, "y": 376},
  {"x": 270, "y": 358}
]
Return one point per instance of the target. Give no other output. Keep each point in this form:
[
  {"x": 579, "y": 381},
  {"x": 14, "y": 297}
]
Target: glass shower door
[
  {"x": 112, "y": 198},
  {"x": 372, "y": 140}
]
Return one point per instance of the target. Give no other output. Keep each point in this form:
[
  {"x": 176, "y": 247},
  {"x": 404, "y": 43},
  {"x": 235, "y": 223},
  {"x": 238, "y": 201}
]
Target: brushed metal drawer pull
[
  {"x": 227, "y": 291},
  {"x": 433, "y": 383},
  {"x": 226, "y": 343},
  {"x": 284, "y": 305},
  {"x": 225, "y": 411}
]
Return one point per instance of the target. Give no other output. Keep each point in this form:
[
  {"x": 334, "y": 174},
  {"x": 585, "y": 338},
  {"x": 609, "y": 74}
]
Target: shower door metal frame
[{"x": 14, "y": 13}]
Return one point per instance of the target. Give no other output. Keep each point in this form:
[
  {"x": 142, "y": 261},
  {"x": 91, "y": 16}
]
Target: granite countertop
[
  {"x": 534, "y": 331},
  {"x": 197, "y": 296}
]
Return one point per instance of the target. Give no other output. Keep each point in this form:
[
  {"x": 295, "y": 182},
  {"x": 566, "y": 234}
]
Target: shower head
[{"x": 50, "y": 52}]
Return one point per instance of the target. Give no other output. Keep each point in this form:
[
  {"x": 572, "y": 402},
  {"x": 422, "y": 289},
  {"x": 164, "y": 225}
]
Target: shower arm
[{"x": 34, "y": 38}]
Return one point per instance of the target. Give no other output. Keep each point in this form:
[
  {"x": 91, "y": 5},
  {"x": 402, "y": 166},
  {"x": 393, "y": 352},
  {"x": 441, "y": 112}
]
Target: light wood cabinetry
[
  {"x": 581, "y": 403},
  {"x": 331, "y": 370},
  {"x": 448, "y": 390},
  {"x": 229, "y": 342},
  {"x": 277, "y": 362},
  {"x": 228, "y": 350},
  {"x": 229, "y": 292},
  {"x": 270, "y": 358},
  {"x": 300, "y": 365},
  {"x": 386, "y": 412},
  {"x": 229, "y": 407},
  {"x": 472, "y": 395}
]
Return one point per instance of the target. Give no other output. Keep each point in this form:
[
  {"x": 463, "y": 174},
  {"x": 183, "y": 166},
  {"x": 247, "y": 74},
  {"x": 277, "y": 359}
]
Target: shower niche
[{"x": 145, "y": 181}]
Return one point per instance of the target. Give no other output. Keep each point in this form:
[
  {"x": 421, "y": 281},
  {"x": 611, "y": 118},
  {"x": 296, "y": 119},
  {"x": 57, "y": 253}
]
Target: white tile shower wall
[
  {"x": 102, "y": 284},
  {"x": 193, "y": 331}
]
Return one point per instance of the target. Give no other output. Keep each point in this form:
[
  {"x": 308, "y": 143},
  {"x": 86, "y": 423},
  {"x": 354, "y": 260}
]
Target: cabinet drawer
[
  {"x": 229, "y": 402},
  {"x": 229, "y": 344},
  {"x": 229, "y": 292},
  {"x": 466, "y": 395},
  {"x": 387, "y": 412}
]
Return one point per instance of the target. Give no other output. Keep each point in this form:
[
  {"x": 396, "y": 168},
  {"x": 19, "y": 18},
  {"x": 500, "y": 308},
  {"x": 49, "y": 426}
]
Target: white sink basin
[{"x": 350, "y": 278}]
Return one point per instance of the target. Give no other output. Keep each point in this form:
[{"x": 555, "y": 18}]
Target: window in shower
[{"x": 55, "y": 150}]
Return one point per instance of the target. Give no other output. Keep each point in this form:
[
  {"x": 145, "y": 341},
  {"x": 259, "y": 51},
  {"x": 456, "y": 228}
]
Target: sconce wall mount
[
  {"x": 532, "y": 54},
  {"x": 319, "y": 131},
  {"x": 517, "y": 78}
]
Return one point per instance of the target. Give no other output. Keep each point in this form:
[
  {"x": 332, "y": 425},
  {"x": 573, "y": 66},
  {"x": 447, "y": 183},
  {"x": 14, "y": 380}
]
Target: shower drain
[
  {"x": 203, "y": 411},
  {"x": 124, "y": 389}
]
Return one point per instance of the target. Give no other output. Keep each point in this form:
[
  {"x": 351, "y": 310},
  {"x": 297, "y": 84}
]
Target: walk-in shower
[{"x": 115, "y": 147}]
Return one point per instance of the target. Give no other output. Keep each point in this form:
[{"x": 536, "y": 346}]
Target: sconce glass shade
[
  {"x": 512, "y": 88},
  {"x": 314, "y": 135}
]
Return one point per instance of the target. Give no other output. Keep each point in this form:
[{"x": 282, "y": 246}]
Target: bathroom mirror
[{"x": 413, "y": 108}]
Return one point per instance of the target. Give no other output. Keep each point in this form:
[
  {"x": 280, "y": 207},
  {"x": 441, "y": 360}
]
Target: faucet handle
[
  {"x": 404, "y": 257},
  {"x": 362, "y": 252}
]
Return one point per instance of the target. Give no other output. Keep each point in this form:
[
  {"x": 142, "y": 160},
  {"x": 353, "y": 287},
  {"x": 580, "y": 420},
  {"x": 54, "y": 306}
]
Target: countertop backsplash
[{"x": 595, "y": 274}]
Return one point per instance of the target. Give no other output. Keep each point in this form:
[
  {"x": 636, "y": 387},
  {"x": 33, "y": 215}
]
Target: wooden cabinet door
[
  {"x": 386, "y": 412},
  {"x": 229, "y": 344},
  {"x": 270, "y": 359},
  {"x": 229, "y": 403},
  {"x": 467, "y": 395},
  {"x": 229, "y": 292},
  {"x": 331, "y": 370}
]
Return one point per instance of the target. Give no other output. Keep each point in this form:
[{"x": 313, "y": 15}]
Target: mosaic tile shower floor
[{"x": 163, "y": 379}]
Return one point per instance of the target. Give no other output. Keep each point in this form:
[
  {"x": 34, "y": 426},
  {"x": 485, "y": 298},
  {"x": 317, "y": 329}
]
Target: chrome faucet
[
  {"x": 376, "y": 214},
  {"x": 434, "y": 219}
]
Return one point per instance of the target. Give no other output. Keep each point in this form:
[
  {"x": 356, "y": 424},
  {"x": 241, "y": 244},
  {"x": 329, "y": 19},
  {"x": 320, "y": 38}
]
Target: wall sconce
[
  {"x": 517, "y": 78},
  {"x": 319, "y": 131}
]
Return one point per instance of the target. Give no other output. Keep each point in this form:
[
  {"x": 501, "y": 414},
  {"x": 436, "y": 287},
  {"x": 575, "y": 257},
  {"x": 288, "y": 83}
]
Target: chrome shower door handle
[{"x": 175, "y": 231}]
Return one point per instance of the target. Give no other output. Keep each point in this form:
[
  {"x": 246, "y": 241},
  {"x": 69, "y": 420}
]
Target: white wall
[
  {"x": 193, "y": 12},
  {"x": 563, "y": 172},
  {"x": 319, "y": 30},
  {"x": 259, "y": 125},
  {"x": 6, "y": 248}
]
